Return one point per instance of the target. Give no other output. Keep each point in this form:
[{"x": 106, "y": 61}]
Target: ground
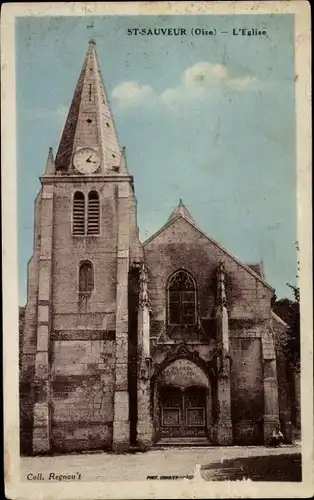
[{"x": 258, "y": 463}]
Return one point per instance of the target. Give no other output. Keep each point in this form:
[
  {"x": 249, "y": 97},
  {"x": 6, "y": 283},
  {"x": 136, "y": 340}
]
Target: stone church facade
[{"x": 128, "y": 343}]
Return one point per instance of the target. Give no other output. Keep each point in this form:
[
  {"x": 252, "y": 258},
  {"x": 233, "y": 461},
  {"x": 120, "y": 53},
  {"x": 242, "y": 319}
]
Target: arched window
[
  {"x": 86, "y": 277},
  {"x": 181, "y": 299},
  {"x": 93, "y": 213},
  {"x": 78, "y": 214}
]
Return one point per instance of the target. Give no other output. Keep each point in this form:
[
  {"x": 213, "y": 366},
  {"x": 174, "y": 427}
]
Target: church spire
[{"x": 89, "y": 123}]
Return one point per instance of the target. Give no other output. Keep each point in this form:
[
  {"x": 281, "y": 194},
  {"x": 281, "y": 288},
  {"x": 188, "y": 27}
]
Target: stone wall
[
  {"x": 69, "y": 250},
  {"x": 289, "y": 399},
  {"x": 82, "y": 376},
  {"x": 27, "y": 374},
  {"x": 247, "y": 397},
  {"x": 83, "y": 353}
]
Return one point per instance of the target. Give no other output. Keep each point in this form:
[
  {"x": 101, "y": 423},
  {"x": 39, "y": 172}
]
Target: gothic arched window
[
  {"x": 181, "y": 293},
  {"x": 86, "y": 277},
  {"x": 78, "y": 214},
  {"x": 93, "y": 213}
]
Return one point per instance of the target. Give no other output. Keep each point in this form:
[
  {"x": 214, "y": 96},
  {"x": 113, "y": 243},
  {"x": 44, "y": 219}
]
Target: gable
[{"x": 181, "y": 231}]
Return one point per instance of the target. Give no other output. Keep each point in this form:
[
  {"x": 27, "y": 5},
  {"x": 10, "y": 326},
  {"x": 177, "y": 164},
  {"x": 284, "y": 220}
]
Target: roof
[
  {"x": 182, "y": 212},
  {"x": 90, "y": 122},
  {"x": 279, "y": 319}
]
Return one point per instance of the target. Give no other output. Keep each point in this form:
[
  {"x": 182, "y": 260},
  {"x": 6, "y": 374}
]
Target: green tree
[{"x": 289, "y": 311}]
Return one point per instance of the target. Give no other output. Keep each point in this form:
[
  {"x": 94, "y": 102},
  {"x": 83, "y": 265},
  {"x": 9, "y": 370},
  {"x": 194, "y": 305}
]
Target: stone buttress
[
  {"x": 223, "y": 429},
  {"x": 144, "y": 410}
]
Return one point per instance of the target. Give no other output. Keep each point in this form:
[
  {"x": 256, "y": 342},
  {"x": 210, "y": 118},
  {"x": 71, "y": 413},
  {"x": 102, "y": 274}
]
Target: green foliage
[
  {"x": 289, "y": 311},
  {"x": 296, "y": 292}
]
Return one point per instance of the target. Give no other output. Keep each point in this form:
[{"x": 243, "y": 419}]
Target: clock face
[{"x": 86, "y": 160}]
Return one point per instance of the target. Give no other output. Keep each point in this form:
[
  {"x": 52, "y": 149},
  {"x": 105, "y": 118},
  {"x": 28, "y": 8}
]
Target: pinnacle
[
  {"x": 50, "y": 166},
  {"x": 181, "y": 211}
]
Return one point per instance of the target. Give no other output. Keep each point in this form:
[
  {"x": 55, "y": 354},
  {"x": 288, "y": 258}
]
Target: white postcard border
[{"x": 149, "y": 489}]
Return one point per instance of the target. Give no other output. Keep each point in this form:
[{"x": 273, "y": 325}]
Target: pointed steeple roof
[
  {"x": 181, "y": 211},
  {"x": 90, "y": 123}
]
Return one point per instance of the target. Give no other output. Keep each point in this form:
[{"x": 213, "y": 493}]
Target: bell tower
[{"x": 75, "y": 353}]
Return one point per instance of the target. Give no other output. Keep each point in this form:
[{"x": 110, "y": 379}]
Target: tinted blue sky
[{"x": 209, "y": 119}]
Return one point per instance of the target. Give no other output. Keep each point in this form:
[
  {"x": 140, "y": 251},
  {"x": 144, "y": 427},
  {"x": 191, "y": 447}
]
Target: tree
[
  {"x": 294, "y": 340},
  {"x": 289, "y": 311}
]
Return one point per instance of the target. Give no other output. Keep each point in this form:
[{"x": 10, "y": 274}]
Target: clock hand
[{"x": 89, "y": 160}]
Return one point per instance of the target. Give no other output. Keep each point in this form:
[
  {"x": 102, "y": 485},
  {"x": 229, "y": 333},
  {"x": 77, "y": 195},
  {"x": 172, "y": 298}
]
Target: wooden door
[
  {"x": 183, "y": 413},
  {"x": 194, "y": 402},
  {"x": 171, "y": 412}
]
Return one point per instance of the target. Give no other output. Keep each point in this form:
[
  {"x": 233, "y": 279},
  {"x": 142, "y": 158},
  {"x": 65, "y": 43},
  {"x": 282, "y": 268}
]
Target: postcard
[{"x": 158, "y": 338}]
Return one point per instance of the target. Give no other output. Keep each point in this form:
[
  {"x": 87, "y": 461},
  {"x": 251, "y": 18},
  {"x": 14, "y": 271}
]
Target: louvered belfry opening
[
  {"x": 78, "y": 214},
  {"x": 93, "y": 213}
]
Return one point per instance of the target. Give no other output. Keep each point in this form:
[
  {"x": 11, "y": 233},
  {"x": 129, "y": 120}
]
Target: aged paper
[{"x": 157, "y": 290}]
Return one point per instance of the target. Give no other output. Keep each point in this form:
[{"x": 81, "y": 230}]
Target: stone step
[{"x": 188, "y": 441}]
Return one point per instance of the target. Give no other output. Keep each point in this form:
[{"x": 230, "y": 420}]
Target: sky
[{"x": 209, "y": 119}]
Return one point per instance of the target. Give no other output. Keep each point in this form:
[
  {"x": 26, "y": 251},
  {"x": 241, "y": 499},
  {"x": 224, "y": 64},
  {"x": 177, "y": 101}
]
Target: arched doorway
[{"x": 184, "y": 407}]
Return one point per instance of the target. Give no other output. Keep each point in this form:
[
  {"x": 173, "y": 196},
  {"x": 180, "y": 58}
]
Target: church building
[{"x": 136, "y": 344}]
